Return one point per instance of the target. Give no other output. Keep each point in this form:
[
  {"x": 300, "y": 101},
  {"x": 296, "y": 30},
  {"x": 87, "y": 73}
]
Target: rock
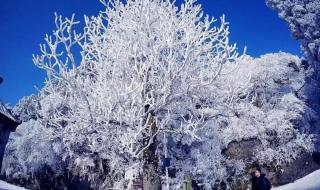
[
  {"x": 316, "y": 157},
  {"x": 298, "y": 168},
  {"x": 243, "y": 150},
  {"x": 46, "y": 178},
  {"x": 294, "y": 66}
]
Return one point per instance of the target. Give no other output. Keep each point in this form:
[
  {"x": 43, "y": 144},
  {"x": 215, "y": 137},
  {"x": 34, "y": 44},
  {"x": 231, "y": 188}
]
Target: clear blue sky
[{"x": 24, "y": 24}]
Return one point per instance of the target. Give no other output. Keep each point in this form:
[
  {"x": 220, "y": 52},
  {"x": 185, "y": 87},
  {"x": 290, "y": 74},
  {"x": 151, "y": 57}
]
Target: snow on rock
[
  {"x": 309, "y": 182},
  {"x": 7, "y": 186}
]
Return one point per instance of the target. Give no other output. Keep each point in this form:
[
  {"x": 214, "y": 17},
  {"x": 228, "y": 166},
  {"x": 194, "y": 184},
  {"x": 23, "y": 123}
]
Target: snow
[
  {"x": 156, "y": 70},
  {"x": 309, "y": 182},
  {"x": 7, "y": 186},
  {"x": 5, "y": 111}
]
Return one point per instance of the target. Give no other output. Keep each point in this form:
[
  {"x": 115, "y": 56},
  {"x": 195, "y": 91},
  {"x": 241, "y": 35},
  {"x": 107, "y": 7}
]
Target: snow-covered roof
[{"x": 4, "y": 111}]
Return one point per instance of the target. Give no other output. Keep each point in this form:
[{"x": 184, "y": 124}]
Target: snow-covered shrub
[
  {"x": 29, "y": 150},
  {"x": 32, "y": 147},
  {"x": 269, "y": 110},
  {"x": 27, "y": 108},
  {"x": 271, "y": 107}
]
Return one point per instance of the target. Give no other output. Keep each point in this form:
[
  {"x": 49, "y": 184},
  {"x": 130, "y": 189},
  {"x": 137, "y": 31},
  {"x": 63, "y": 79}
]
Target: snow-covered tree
[
  {"x": 303, "y": 17},
  {"x": 304, "y": 21},
  {"x": 146, "y": 70}
]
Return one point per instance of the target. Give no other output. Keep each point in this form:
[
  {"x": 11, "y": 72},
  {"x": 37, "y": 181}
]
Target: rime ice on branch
[{"x": 143, "y": 64}]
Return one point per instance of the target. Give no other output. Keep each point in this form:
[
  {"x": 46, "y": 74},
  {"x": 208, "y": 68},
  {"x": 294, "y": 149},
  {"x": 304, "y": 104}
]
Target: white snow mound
[
  {"x": 309, "y": 182},
  {"x": 7, "y": 186}
]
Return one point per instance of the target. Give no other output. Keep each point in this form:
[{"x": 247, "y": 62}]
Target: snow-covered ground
[
  {"x": 309, "y": 182},
  {"x": 7, "y": 186}
]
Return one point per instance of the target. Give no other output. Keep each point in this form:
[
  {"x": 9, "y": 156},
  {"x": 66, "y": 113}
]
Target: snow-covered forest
[{"x": 148, "y": 84}]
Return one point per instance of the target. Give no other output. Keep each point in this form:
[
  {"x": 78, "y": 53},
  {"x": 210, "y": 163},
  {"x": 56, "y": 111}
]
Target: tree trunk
[
  {"x": 151, "y": 173},
  {"x": 151, "y": 178}
]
